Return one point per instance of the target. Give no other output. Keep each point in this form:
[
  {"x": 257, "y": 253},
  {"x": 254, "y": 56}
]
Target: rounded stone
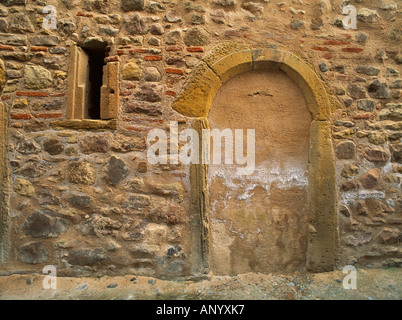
[
  {"x": 157, "y": 29},
  {"x": 196, "y": 36},
  {"x": 37, "y": 77},
  {"x": 44, "y": 225},
  {"x": 34, "y": 253},
  {"x": 117, "y": 170},
  {"x": 24, "y": 187},
  {"x": 345, "y": 150},
  {"x": 53, "y": 146},
  {"x": 133, "y": 5},
  {"x": 152, "y": 74},
  {"x": 132, "y": 71}
]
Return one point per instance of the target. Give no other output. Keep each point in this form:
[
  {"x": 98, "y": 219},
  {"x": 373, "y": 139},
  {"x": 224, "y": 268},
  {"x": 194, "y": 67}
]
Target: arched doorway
[
  {"x": 258, "y": 222},
  {"x": 223, "y": 63}
]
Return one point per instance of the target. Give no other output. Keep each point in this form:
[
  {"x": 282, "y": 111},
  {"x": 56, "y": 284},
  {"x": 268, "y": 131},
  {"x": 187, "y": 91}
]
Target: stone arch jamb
[
  {"x": 4, "y": 174},
  {"x": 221, "y": 64}
]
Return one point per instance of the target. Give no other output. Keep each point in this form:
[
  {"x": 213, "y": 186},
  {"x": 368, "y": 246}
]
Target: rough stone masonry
[{"x": 80, "y": 194}]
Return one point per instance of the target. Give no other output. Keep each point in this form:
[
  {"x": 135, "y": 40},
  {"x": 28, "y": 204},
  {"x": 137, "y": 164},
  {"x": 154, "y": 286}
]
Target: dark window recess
[{"x": 96, "y": 57}]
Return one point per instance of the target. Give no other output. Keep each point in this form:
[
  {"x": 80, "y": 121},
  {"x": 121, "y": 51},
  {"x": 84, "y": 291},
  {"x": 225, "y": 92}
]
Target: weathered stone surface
[
  {"x": 28, "y": 147},
  {"x": 376, "y": 155},
  {"x": 124, "y": 144},
  {"x": 154, "y": 41},
  {"x": 397, "y": 84},
  {"x": 155, "y": 7},
  {"x": 94, "y": 144},
  {"x": 392, "y": 112},
  {"x": 3, "y": 25},
  {"x": 13, "y": 40},
  {"x": 137, "y": 202},
  {"x": 367, "y": 15},
  {"x": 135, "y": 24},
  {"x": 117, "y": 170},
  {"x": 254, "y": 7},
  {"x": 218, "y": 16},
  {"x": 80, "y": 201},
  {"x": 376, "y": 137},
  {"x": 133, "y": 5},
  {"x": 349, "y": 170},
  {"x": 157, "y": 29},
  {"x": 359, "y": 239},
  {"x": 45, "y": 225},
  {"x": 172, "y": 17},
  {"x": 48, "y": 41},
  {"x": 366, "y": 105},
  {"x": 396, "y": 152},
  {"x": 81, "y": 173},
  {"x": 132, "y": 70},
  {"x": 88, "y": 125},
  {"x": 370, "y": 179},
  {"x": 36, "y": 126},
  {"x": 45, "y": 198},
  {"x": 108, "y": 31},
  {"x": 196, "y": 36},
  {"x": 323, "y": 67},
  {"x": 150, "y": 93},
  {"x": 345, "y": 150},
  {"x": 348, "y": 185},
  {"x": 37, "y": 77},
  {"x": 152, "y": 74},
  {"x": 53, "y": 146},
  {"x": 144, "y": 109},
  {"x": 225, "y": 3},
  {"x": 100, "y": 226},
  {"x": 34, "y": 253},
  {"x": 356, "y": 91},
  {"x": 390, "y": 236},
  {"x": 173, "y": 37},
  {"x": 344, "y": 134},
  {"x": 368, "y": 70},
  {"x": 31, "y": 170},
  {"x": 66, "y": 27},
  {"x": 142, "y": 167},
  {"x": 197, "y": 18},
  {"x": 296, "y": 24},
  {"x": 379, "y": 90},
  {"x": 345, "y": 211},
  {"x": 20, "y": 23},
  {"x": 87, "y": 257},
  {"x": 135, "y": 232},
  {"x": 16, "y": 56},
  {"x": 391, "y": 72},
  {"x": 24, "y": 187}
]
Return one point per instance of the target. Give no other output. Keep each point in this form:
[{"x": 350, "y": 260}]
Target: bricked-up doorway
[
  {"x": 222, "y": 63},
  {"x": 258, "y": 222}
]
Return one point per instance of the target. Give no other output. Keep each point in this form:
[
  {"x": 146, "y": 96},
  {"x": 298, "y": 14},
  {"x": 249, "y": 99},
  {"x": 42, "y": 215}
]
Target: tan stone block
[
  {"x": 229, "y": 60},
  {"x": 196, "y": 98},
  {"x": 24, "y": 187}
]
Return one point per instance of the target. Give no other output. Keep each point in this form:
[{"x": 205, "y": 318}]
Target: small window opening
[{"x": 96, "y": 58}]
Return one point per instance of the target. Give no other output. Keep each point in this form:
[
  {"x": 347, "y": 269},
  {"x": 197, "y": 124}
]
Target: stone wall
[{"x": 83, "y": 196}]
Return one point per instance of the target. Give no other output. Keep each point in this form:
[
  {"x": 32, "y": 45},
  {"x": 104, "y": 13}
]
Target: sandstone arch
[
  {"x": 4, "y": 174},
  {"x": 224, "y": 62}
]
